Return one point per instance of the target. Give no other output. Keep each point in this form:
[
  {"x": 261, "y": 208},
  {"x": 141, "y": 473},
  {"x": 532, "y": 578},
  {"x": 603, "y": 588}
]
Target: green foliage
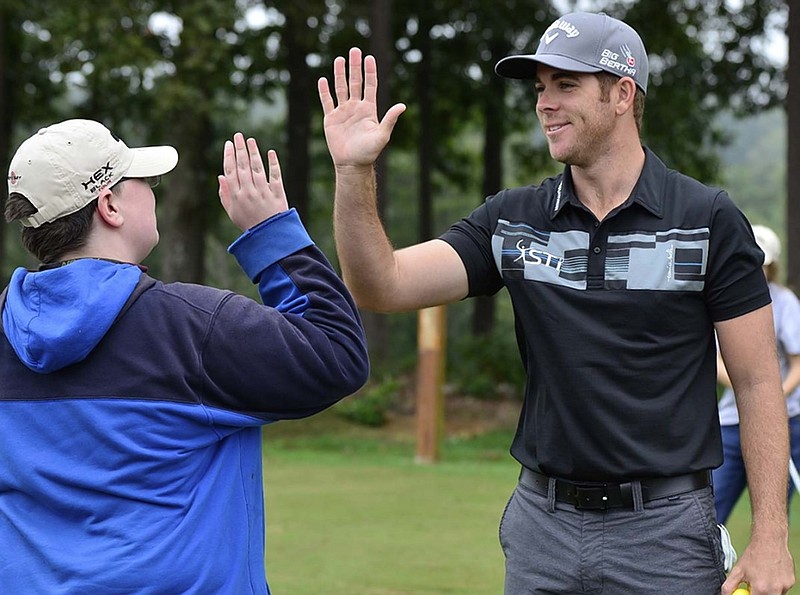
[
  {"x": 370, "y": 405},
  {"x": 754, "y": 169},
  {"x": 704, "y": 58}
]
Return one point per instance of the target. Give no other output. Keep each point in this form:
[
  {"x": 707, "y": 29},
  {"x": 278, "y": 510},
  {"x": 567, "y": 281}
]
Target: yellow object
[{"x": 741, "y": 591}]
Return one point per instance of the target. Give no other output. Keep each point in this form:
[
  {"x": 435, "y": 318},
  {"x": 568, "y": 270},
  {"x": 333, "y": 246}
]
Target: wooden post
[{"x": 431, "y": 341}]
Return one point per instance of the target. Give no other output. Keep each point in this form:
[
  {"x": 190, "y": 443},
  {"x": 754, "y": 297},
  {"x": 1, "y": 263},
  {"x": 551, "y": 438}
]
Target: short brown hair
[
  {"x": 607, "y": 80},
  {"x": 50, "y": 240}
]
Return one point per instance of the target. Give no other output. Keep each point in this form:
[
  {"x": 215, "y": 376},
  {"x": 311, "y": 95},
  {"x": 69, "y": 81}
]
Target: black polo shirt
[{"x": 614, "y": 318}]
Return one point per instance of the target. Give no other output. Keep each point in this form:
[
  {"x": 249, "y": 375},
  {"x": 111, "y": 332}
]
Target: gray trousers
[{"x": 671, "y": 545}]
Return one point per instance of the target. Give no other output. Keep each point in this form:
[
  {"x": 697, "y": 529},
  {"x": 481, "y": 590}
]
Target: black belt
[{"x": 601, "y": 496}]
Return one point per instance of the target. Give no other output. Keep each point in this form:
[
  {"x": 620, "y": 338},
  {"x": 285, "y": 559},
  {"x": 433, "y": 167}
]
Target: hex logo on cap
[{"x": 99, "y": 178}]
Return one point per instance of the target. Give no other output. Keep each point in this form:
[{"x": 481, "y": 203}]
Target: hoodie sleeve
[
  {"x": 259, "y": 250},
  {"x": 305, "y": 350}
]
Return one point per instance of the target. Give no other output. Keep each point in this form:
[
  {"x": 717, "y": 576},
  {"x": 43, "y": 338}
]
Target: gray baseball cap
[{"x": 584, "y": 42}]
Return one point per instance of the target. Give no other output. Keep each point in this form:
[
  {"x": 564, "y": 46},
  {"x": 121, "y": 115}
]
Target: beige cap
[
  {"x": 63, "y": 167},
  {"x": 769, "y": 243}
]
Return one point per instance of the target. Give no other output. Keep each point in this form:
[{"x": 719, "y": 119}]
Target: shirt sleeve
[
  {"x": 735, "y": 281},
  {"x": 301, "y": 351},
  {"x": 259, "y": 251},
  {"x": 472, "y": 240}
]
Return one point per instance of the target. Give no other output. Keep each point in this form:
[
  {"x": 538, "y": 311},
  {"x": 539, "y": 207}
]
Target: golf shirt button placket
[{"x": 597, "y": 250}]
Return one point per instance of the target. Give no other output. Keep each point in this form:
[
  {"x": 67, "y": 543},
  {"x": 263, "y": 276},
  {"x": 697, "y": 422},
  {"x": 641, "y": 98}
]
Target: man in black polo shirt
[{"x": 620, "y": 271}]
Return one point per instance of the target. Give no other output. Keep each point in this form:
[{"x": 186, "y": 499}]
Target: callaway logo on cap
[
  {"x": 63, "y": 167},
  {"x": 584, "y": 42}
]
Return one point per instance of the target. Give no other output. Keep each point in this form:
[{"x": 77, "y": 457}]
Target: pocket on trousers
[
  {"x": 503, "y": 541},
  {"x": 684, "y": 539},
  {"x": 703, "y": 504}
]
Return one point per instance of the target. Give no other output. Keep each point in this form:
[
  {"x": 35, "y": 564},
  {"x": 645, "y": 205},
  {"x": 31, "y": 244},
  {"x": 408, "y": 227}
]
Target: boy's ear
[{"x": 108, "y": 208}]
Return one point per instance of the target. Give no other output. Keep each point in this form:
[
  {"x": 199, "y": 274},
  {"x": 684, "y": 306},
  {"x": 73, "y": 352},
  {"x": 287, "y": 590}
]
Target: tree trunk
[
  {"x": 298, "y": 42},
  {"x": 9, "y": 53},
  {"x": 380, "y": 45},
  {"x": 793, "y": 146},
  {"x": 184, "y": 220},
  {"x": 376, "y": 325},
  {"x": 483, "y": 317},
  {"x": 427, "y": 136}
]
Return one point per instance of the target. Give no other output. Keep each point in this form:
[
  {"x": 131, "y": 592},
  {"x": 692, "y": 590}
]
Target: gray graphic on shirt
[{"x": 671, "y": 260}]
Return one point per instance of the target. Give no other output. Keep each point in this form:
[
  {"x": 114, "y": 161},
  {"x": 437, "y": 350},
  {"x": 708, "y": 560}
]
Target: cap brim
[
  {"x": 524, "y": 66},
  {"x": 152, "y": 161}
]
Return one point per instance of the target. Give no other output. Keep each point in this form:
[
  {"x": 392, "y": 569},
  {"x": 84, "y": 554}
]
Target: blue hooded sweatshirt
[{"x": 131, "y": 412}]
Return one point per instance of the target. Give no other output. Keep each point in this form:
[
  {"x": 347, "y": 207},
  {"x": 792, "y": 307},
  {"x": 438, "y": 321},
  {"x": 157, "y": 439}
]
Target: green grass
[{"x": 350, "y": 513}]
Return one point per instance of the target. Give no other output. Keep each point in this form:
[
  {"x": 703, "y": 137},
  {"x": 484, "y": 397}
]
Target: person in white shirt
[{"x": 730, "y": 479}]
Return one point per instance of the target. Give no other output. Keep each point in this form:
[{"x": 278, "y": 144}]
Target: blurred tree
[
  {"x": 10, "y": 48},
  {"x": 201, "y": 63},
  {"x": 705, "y": 57},
  {"x": 28, "y": 87},
  {"x": 376, "y": 325},
  {"x": 180, "y": 72},
  {"x": 793, "y": 146},
  {"x": 368, "y": 24},
  {"x": 157, "y": 71},
  {"x": 489, "y": 37},
  {"x": 380, "y": 46},
  {"x": 754, "y": 166},
  {"x": 438, "y": 48},
  {"x": 300, "y": 39}
]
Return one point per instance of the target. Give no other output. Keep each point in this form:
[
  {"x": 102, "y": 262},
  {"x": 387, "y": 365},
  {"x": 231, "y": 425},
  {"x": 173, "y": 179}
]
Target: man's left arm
[{"x": 747, "y": 345}]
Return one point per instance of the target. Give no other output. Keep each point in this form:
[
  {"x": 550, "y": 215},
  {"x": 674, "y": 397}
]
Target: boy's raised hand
[{"x": 249, "y": 192}]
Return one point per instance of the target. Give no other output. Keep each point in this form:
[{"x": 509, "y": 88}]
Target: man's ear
[
  {"x": 626, "y": 92},
  {"x": 108, "y": 208}
]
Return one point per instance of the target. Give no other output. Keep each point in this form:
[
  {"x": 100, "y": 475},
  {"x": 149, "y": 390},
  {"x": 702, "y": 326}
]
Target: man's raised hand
[{"x": 354, "y": 135}]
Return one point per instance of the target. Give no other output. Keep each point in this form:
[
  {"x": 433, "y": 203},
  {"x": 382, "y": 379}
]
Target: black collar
[{"x": 648, "y": 191}]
